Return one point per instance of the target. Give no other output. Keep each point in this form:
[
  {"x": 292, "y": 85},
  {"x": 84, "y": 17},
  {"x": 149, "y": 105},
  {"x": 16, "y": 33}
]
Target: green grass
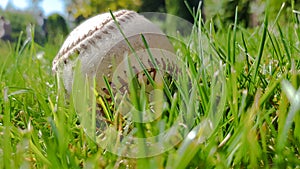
[{"x": 246, "y": 116}]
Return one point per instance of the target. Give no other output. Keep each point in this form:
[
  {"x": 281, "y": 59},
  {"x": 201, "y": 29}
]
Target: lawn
[{"x": 238, "y": 101}]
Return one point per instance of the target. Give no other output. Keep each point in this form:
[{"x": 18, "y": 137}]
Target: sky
[{"x": 49, "y": 6}]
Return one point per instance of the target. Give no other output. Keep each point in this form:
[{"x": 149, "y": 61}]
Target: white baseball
[{"x": 101, "y": 48}]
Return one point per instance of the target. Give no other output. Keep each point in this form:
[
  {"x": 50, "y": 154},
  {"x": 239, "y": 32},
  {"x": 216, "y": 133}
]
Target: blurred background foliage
[
  {"x": 221, "y": 12},
  {"x": 56, "y": 25},
  {"x": 82, "y": 9},
  {"x": 18, "y": 21}
]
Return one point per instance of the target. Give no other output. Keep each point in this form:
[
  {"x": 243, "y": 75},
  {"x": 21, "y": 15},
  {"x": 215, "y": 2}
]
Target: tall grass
[{"x": 243, "y": 97}]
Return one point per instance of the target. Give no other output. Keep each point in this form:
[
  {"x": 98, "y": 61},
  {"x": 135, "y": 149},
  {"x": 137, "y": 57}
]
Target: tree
[
  {"x": 153, "y": 6},
  {"x": 56, "y": 27},
  {"x": 243, "y": 11},
  {"x": 34, "y": 6},
  {"x": 180, "y": 9},
  {"x": 251, "y": 12},
  {"x": 84, "y": 9}
]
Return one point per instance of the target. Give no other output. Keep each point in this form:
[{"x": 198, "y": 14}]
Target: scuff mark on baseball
[{"x": 101, "y": 48}]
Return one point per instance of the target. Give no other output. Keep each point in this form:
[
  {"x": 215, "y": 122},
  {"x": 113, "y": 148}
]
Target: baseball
[{"x": 100, "y": 46}]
